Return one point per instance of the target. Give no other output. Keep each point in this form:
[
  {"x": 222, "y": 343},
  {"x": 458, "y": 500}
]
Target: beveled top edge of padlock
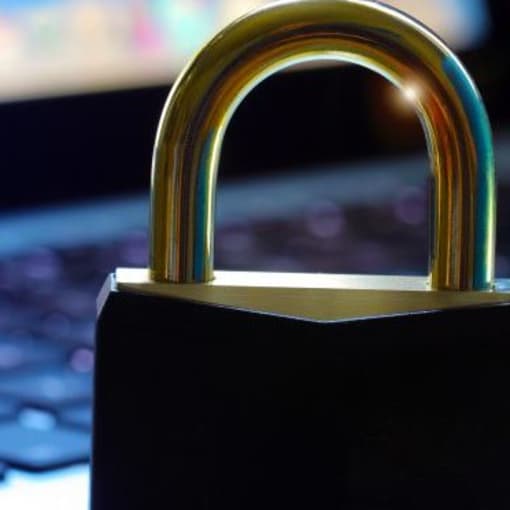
[
  {"x": 287, "y": 280},
  {"x": 315, "y": 297}
]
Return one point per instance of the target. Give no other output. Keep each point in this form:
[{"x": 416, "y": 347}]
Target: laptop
[{"x": 323, "y": 169}]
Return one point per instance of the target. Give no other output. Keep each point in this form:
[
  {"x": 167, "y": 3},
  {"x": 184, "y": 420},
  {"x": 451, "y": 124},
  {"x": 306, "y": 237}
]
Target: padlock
[{"x": 249, "y": 390}]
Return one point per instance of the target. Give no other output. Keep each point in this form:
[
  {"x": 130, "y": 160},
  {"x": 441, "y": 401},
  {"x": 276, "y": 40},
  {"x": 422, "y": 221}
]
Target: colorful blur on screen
[{"x": 56, "y": 47}]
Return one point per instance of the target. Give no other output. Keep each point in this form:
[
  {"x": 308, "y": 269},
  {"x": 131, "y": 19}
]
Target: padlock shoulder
[{"x": 309, "y": 297}]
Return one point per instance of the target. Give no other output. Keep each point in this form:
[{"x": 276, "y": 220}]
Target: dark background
[{"x": 100, "y": 144}]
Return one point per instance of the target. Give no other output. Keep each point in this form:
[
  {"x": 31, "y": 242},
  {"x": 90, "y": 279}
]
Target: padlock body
[{"x": 210, "y": 407}]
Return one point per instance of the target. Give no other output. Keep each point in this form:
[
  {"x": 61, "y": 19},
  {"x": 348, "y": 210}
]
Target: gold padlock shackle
[{"x": 206, "y": 94}]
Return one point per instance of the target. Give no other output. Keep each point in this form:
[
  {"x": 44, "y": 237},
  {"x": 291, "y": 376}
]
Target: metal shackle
[{"x": 205, "y": 96}]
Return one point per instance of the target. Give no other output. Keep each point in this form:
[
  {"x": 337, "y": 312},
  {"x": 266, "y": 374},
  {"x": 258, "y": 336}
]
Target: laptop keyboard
[{"x": 47, "y": 303}]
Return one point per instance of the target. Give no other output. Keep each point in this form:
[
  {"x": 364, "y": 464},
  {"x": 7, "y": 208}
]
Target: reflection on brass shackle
[{"x": 210, "y": 88}]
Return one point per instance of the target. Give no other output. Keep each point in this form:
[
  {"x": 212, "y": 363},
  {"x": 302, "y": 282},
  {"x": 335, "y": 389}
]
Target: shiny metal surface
[
  {"x": 208, "y": 91},
  {"x": 312, "y": 297}
]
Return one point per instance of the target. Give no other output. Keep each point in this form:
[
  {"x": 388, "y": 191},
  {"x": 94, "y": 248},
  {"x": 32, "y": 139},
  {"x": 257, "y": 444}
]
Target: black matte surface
[{"x": 198, "y": 407}]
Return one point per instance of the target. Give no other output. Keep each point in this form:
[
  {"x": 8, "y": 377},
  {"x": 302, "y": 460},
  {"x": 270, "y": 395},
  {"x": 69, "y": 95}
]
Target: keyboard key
[
  {"x": 20, "y": 352},
  {"x": 39, "y": 266},
  {"x": 82, "y": 360},
  {"x": 47, "y": 387},
  {"x": 41, "y": 449},
  {"x": 55, "y": 326},
  {"x": 36, "y": 419},
  {"x": 78, "y": 416},
  {"x": 13, "y": 315},
  {"x": 77, "y": 304},
  {"x": 59, "y": 327},
  {"x": 7, "y": 410},
  {"x": 83, "y": 333}
]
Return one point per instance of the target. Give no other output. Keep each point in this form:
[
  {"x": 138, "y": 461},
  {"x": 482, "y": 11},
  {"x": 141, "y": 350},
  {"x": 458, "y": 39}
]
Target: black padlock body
[{"x": 211, "y": 408}]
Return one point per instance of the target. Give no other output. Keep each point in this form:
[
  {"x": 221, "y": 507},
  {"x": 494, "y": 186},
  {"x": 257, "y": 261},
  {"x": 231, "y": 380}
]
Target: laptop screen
[
  {"x": 83, "y": 83},
  {"x": 60, "y": 47}
]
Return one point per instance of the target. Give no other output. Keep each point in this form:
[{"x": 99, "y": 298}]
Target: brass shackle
[{"x": 206, "y": 94}]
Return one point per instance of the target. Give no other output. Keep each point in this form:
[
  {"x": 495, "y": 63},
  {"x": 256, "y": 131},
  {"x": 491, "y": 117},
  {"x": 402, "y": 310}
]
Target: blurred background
[{"x": 323, "y": 168}]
